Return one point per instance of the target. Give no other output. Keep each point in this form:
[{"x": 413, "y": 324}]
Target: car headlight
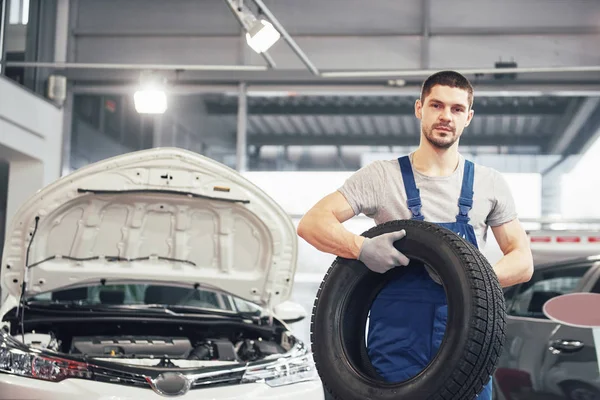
[
  {"x": 36, "y": 365},
  {"x": 284, "y": 371}
]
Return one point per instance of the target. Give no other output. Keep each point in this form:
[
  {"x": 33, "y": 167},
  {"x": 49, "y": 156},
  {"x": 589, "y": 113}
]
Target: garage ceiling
[{"x": 336, "y": 35}]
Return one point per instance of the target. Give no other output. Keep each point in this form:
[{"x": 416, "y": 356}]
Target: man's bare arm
[
  {"x": 322, "y": 227},
  {"x": 517, "y": 264}
]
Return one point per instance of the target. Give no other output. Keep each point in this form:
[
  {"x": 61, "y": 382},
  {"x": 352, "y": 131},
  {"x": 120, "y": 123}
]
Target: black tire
[{"x": 474, "y": 335}]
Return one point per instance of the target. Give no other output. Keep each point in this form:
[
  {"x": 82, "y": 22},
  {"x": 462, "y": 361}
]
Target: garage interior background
[{"x": 334, "y": 93}]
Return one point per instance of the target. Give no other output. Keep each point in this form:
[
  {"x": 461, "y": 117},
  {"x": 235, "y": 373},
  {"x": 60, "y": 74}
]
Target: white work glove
[{"x": 379, "y": 253}]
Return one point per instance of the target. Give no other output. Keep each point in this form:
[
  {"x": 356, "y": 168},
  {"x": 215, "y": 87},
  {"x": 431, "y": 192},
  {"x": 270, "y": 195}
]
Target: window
[
  {"x": 596, "y": 288},
  {"x": 226, "y": 302},
  {"x": 87, "y": 108},
  {"x": 206, "y": 299},
  {"x": 112, "y": 116},
  {"x": 18, "y": 12},
  {"x": 132, "y": 294},
  {"x": 244, "y": 306},
  {"x": 544, "y": 285},
  {"x": 510, "y": 292}
]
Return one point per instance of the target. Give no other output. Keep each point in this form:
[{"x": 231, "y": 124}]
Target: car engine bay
[{"x": 170, "y": 346}]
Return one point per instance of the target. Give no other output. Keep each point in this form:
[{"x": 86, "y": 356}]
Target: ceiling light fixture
[
  {"x": 151, "y": 97},
  {"x": 261, "y": 35}
]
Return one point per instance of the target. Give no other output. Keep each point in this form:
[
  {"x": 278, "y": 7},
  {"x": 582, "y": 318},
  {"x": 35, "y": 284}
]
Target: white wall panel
[
  {"x": 581, "y": 188},
  {"x": 30, "y": 139}
]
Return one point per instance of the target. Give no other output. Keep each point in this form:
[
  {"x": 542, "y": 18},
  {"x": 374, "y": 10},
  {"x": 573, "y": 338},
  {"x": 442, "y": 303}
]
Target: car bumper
[{"x": 19, "y": 388}]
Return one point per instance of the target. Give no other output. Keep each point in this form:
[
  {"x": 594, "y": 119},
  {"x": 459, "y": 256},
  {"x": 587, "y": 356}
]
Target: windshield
[{"x": 145, "y": 294}]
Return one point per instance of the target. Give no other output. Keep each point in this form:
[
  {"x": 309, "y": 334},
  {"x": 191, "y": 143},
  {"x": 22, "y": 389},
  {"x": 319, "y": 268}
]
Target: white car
[{"x": 156, "y": 273}]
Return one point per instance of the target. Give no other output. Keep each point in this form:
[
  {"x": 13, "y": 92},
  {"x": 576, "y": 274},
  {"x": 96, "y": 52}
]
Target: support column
[
  {"x": 63, "y": 25},
  {"x": 66, "y": 166},
  {"x": 242, "y": 120},
  {"x": 63, "y": 28},
  {"x": 3, "y": 23}
]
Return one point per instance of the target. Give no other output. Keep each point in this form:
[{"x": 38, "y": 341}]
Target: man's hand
[{"x": 379, "y": 253}]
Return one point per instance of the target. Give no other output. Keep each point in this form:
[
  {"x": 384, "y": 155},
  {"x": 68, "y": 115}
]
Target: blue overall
[{"x": 408, "y": 317}]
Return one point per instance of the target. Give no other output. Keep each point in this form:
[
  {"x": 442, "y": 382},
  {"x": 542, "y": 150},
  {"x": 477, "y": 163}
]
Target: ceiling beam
[
  {"x": 554, "y": 88},
  {"x": 564, "y": 137},
  {"x": 471, "y": 139},
  {"x": 433, "y": 31},
  {"x": 405, "y": 107},
  {"x": 194, "y": 74}
]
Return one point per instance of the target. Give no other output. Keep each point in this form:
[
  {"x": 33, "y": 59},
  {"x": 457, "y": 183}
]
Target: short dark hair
[{"x": 447, "y": 78}]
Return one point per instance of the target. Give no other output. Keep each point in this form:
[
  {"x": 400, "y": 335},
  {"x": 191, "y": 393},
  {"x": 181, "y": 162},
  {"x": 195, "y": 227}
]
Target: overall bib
[{"x": 408, "y": 317}]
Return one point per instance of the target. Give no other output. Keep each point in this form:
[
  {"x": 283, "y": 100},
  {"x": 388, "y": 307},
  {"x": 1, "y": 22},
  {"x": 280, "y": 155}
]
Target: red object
[
  {"x": 568, "y": 239},
  {"x": 575, "y": 309},
  {"x": 541, "y": 239},
  {"x": 512, "y": 381},
  {"x": 110, "y": 105},
  {"x": 594, "y": 239}
]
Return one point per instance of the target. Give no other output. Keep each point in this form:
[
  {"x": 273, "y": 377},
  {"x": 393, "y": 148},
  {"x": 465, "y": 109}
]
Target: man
[{"x": 436, "y": 184}]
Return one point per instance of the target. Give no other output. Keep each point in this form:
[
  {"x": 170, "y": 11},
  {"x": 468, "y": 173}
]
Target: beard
[{"x": 441, "y": 140}]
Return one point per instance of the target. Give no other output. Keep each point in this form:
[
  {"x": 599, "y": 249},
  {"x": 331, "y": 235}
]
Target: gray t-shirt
[{"x": 377, "y": 190}]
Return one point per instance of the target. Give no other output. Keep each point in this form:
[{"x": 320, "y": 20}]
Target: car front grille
[
  {"x": 226, "y": 378},
  {"x": 120, "y": 377}
]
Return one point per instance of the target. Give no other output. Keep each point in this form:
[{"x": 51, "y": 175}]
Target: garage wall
[
  {"x": 581, "y": 187},
  {"x": 30, "y": 140}
]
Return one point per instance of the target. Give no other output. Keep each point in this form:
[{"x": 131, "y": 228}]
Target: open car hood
[{"x": 165, "y": 215}]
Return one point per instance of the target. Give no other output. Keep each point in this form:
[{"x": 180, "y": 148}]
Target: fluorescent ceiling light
[
  {"x": 150, "y": 101},
  {"x": 261, "y": 36}
]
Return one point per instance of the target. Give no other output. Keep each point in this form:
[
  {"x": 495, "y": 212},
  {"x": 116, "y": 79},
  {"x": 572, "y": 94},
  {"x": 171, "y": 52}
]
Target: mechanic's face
[{"x": 444, "y": 113}]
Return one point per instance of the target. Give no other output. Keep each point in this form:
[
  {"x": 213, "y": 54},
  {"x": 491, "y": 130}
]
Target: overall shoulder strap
[
  {"x": 413, "y": 198},
  {"x": 465, "y": 201}
]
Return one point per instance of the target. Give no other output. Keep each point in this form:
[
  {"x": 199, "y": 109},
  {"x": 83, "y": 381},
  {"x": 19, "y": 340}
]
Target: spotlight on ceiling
[
  {"x": 261, "y": 35},
  {"x": 150, "y": 98}
]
